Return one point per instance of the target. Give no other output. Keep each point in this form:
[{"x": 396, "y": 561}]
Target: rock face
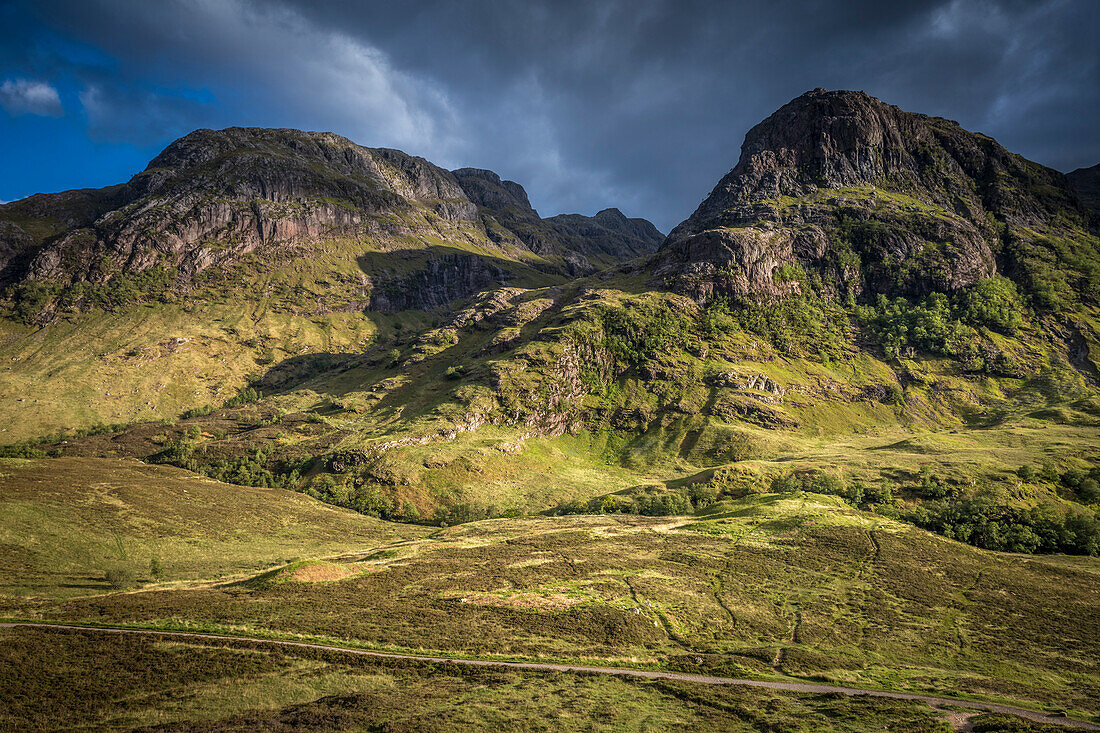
[
  {"x": 583, "y": 242},
  {"x": 1086, "y": 184},
  {"x": 212, "y": 198},
  {"x": 607, "y": 237},
  {"x": 857, "y": 196}
]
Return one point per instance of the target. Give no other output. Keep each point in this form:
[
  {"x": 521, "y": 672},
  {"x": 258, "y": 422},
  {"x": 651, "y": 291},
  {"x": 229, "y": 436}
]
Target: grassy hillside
[
  {"x": 580, "y": 398},
  {"x": 72, "y": 527},
  {"x": 796, "y": 585}
]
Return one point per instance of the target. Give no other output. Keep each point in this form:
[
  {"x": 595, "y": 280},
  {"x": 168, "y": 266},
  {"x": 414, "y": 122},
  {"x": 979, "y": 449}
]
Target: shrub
[{"x": 118, "y": 578}]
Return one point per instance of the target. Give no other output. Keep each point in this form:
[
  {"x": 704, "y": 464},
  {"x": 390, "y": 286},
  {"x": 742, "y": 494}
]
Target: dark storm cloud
[{"x": 640, "y": 104}]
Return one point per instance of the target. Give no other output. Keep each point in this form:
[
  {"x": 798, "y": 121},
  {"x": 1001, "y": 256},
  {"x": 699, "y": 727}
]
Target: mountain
[
  {"x": 840, "y": 426},
  {"x": 873, "y": 200},
  {"x": 1086, "y": 183},
  {"x": 865, "y": 284},
  {"x": 583, "y": 241},
  {"x": 214, "y": 200}
]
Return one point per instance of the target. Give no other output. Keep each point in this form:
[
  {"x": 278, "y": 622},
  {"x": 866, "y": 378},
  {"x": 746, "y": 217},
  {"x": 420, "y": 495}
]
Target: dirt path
[{"x": 935, "y": 702}]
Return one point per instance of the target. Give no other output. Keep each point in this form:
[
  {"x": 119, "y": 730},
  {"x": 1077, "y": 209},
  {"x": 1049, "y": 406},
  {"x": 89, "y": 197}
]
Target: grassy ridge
[{"x": 66, "y": 523}]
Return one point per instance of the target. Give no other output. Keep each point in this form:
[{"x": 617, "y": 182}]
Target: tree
[{"x": 156, "y": 570}]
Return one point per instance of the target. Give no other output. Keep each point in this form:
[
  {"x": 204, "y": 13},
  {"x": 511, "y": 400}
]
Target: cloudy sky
[{"x": 640, "y": 104}]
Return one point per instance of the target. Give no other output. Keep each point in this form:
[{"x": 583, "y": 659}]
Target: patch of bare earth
[
  {"x": 320, "y": 572},
  {"x": 548, "y": 601}
]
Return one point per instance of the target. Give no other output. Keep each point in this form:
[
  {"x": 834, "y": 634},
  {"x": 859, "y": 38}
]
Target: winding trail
[{"x": 935, "y": 702}]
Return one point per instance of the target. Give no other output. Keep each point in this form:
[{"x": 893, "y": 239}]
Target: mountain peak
[
  {"x": 917, "y": 203},
  {"x": 486, "y": 188},
  {"x": 1086, "y": 184}
]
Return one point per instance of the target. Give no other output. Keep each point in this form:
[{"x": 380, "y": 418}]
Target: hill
[{"x": 73, "y": 527}]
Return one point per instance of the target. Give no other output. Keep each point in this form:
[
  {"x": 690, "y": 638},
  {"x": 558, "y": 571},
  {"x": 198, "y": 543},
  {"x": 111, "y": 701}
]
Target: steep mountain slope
[{"x": 213, "y": 198}]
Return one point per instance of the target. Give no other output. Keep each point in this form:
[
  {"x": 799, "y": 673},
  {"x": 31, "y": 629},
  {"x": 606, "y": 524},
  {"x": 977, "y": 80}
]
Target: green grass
[
  {"x": 777, "y": 585},
  {"x": 65, "y": 522},
  {"x": 101, "y": 681}
]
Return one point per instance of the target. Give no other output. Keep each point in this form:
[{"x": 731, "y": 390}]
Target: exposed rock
[
  {"x": 13, "y": 242},
  {"x": 444, "y": 280},
  {"x": 869, "y": 197},
  {"x": 212, "y": 198}
]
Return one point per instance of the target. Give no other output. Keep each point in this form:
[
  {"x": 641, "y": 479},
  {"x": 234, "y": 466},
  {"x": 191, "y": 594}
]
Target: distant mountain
[
  {"x": 1086, "y": 182},
  {"x": 584, "y": 242},
  {"x": 214, "y": 199}
]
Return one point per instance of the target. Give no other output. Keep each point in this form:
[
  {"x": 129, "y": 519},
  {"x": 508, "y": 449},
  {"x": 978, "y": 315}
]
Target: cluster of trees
[
  {"x": 1084, "y": 485},
  {"x": 802, "y": 325},
  {"x": 941, "y": 325},
  {"x": 255, "y": 468},
  {"x": 252, "y": 469},
  {"x": 856, "y": 493},
  {"x": 354, "y": 493},
  {"x": 650, "y": 501},
  {"x": 994, "y": 526},
  {"x": 641, "y": 330}
]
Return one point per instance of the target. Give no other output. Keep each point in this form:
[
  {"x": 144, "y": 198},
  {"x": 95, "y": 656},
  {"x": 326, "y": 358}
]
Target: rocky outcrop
[
  {"x": 213, "y": 198},
  {"x": 841, "y": 189},
  {"x": 444, "y": 280}
]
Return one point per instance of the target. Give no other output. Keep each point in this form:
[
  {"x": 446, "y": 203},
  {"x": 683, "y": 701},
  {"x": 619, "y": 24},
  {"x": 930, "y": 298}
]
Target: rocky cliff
[
  {"x": 864, "y": 198},
  {"x": 214, "y": 198},
  {"x": 584, "y": 243}
]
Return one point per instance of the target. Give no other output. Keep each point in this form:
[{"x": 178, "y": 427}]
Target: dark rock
[{"x": 1086, "y": 184}]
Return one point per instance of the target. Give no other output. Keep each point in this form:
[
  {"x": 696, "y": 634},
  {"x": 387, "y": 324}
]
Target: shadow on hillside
[
  {"x": 93, "y": 582},
  {"x": 297, "y": 370},
  {"x": 435, "y": 276}
]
